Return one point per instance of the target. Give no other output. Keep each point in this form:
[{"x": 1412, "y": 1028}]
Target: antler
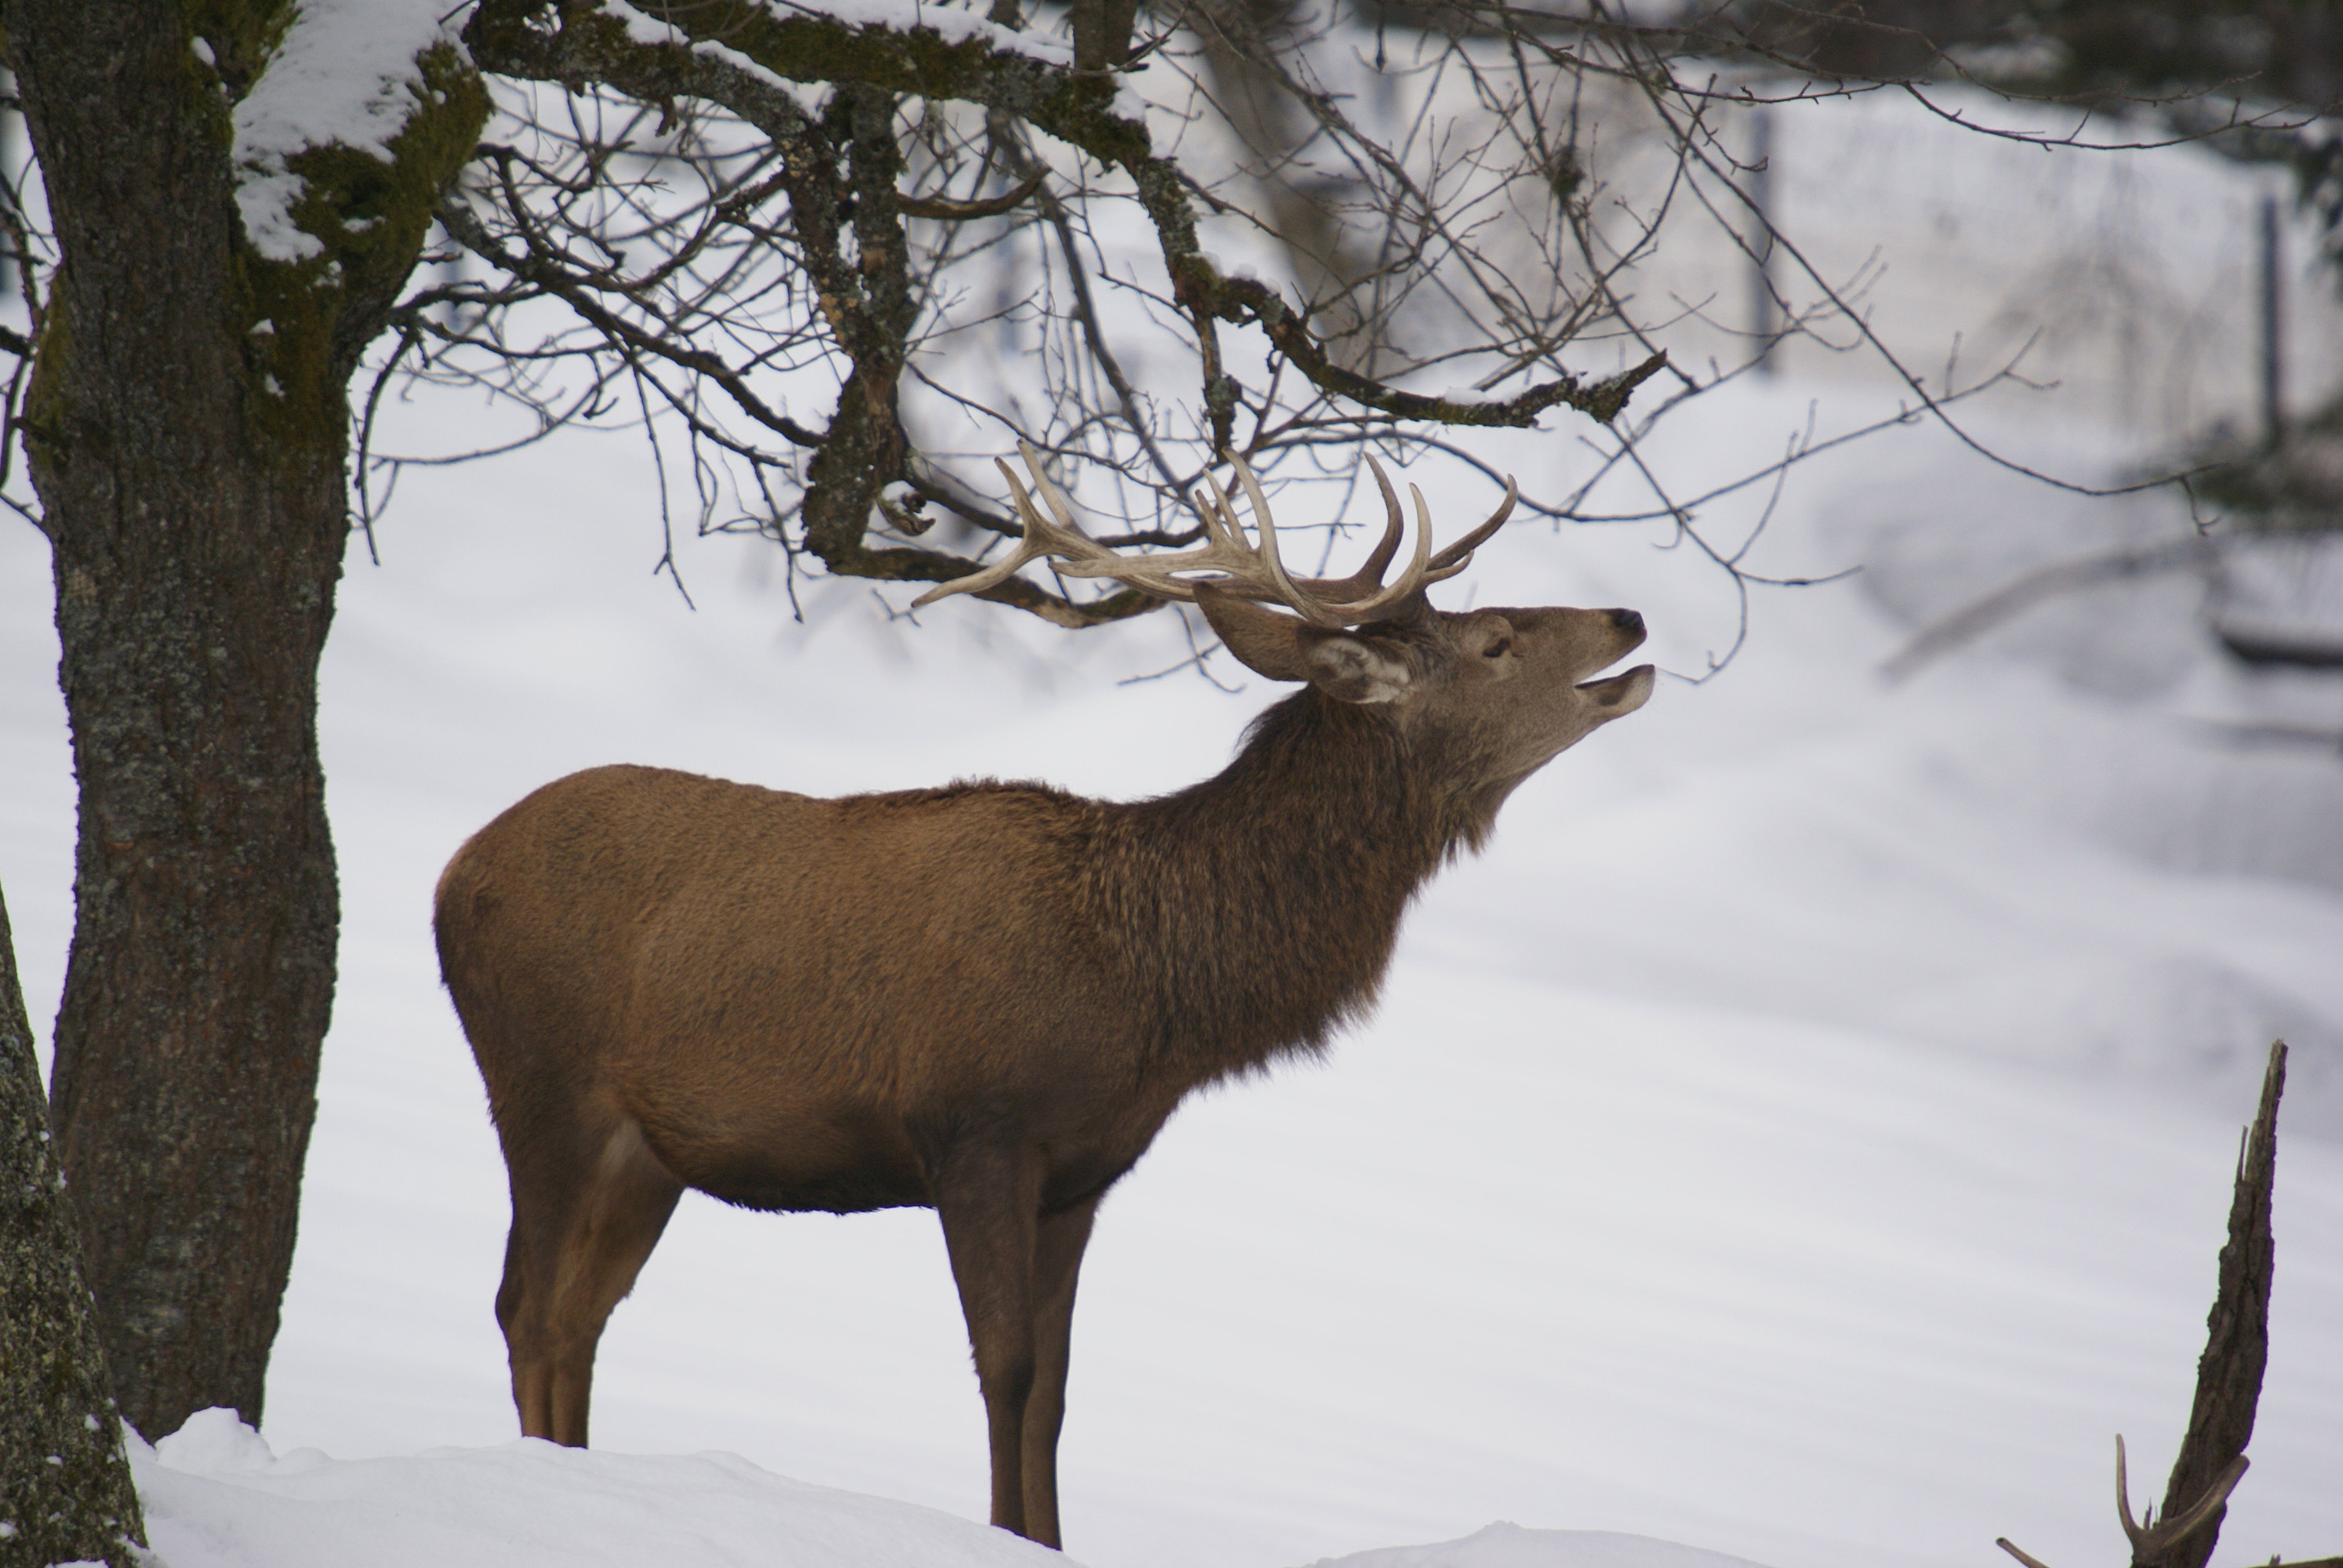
[
  {"x": 1247, "y": 570},
  {"x": 1064, "y": 539},
  {"x": 2149, "y": 1541}
]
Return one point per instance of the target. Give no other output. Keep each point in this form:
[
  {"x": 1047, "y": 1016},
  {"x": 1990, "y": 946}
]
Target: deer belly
[{"x": 789, "y": 1158}]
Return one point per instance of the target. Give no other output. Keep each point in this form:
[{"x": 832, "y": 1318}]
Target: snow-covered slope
[
  {"x": 217, "y": 1496},
  {"x": 1803, "y": 1135}
]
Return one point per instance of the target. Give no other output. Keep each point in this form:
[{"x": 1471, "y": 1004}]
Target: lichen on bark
[{"x": 66, "y": 1492}]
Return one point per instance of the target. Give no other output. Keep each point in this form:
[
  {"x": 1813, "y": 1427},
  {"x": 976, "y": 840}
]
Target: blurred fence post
[
  {"x": 1765, "y": 322},
  {"x": 2273, "y": 367}
]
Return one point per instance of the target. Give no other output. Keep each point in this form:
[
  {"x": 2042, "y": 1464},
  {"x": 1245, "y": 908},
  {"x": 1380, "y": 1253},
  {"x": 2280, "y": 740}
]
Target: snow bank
[
  {"x": 1511, "y": 1546},
  {"x": 218, "y": 1497}
]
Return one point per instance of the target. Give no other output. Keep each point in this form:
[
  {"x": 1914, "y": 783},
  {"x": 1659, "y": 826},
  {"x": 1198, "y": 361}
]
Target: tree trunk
[
  {"x": 194, "y": 591},
  {"x": 194, "y": 561},
  {"x": 65, "y": 1485},
  {"x": 186, "y": 428}
]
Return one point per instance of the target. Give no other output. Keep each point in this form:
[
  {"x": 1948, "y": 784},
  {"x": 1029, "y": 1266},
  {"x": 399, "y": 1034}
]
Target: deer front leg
[
  {"x": 989, "y": 1204},
  {"x": 1057, "y": 1260}
]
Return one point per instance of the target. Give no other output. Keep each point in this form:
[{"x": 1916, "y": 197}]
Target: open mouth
[{"x": 1628, "y": 688}]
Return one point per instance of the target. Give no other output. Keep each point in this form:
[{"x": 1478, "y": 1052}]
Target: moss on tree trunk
[{"x": 65, "y": 1485}]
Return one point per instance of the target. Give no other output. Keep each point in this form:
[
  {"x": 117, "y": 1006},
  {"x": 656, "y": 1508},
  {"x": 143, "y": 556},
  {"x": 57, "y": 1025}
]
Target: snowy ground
[{"x": 1805, "y": 1134}]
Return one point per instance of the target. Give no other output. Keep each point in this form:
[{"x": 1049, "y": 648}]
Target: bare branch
[{"x": 944, "y": 209}]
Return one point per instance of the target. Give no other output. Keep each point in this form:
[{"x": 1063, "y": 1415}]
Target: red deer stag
[{"x": 984, "y": 999}]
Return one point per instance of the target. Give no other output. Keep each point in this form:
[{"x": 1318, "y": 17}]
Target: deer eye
[{"x": 1498, "y": 649}]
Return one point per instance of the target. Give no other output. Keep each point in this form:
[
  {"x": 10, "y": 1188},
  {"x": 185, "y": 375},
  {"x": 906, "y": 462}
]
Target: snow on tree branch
[{"x": 348, "y": 74}]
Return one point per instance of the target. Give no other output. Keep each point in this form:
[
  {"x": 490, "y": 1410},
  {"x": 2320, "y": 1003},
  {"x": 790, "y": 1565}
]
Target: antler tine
[
  {"x": 1458, "y": 556},
  {"x": 2150, "y": 1539},
  {"x": 1043, "y": 537},
  {"x": 1220, "y": 524},
  {"x": 1394, "y": 526},
  {"x": 2137, "y": 1536},
  {"x": 1059, "y": 509},
  {"x": 2216, "y": 1496},
  {"x": 1400, "y": 595},
  {"x": 1369, "y": 577},
  {"x": 1309, "y": 609}
]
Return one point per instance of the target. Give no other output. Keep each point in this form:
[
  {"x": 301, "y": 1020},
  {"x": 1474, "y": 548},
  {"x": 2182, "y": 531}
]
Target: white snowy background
[{"x": 1805, "y": 1134}]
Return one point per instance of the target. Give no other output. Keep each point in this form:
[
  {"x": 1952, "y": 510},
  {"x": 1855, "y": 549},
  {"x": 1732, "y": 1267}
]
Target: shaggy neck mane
[{"x": 1254, "y": 912}]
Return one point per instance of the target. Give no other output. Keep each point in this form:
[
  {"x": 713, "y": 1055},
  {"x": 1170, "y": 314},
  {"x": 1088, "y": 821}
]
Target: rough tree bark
[
  {"x": 186, "y": 431},
  {"x": 2228, "y": 1374},
  {"x": 2236, "y": 1339},
  {"x": 65, "y": 1485}
]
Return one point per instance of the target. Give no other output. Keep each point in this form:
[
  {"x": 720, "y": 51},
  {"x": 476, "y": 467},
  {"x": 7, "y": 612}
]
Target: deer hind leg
[
  {"x": 1058, "y": 1246},
  {"x": 581, "y": 1231},
  {"x": 990, "y": 1205}
]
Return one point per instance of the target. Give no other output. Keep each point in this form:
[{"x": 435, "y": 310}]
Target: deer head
[{"x": 1497, "y": 693}]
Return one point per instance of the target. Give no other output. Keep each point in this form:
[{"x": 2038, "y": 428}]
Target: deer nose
[{"x": 1626, "y": 620}]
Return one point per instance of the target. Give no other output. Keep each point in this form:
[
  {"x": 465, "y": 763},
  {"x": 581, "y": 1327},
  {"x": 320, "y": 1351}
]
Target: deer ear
[
  {"x": 1351, "y": 668},
  {"x": 1262, "y": 639}
]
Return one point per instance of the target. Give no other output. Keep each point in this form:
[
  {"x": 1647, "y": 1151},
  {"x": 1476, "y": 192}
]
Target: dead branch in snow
[{"x": 2228, "y": 1374}]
